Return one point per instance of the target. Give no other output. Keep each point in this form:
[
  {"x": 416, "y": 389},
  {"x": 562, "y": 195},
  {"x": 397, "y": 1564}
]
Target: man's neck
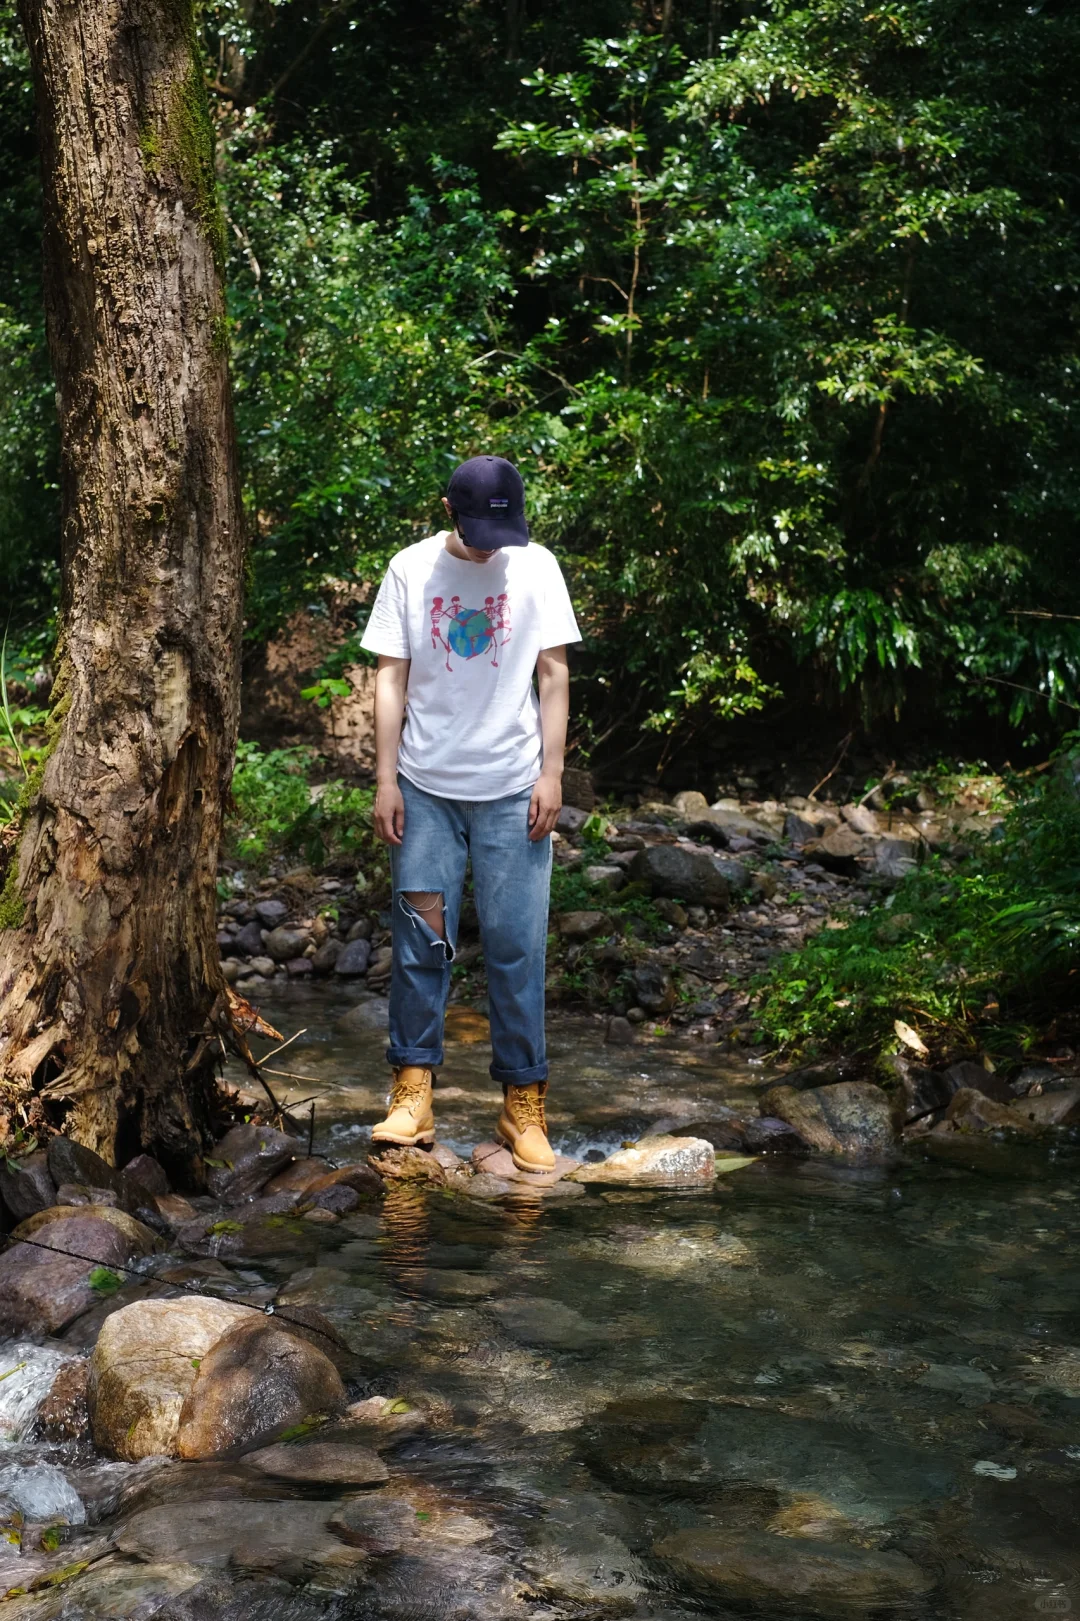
[{"x": 456, "y": 549}]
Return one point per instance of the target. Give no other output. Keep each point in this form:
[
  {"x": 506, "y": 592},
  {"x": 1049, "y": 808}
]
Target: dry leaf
[{"x": 911, "y": 1038}]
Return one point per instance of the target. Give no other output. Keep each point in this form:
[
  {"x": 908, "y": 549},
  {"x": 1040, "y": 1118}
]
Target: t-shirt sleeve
[
  {"x": 387, "y": 629},
  {"x": 557, "y": 623}
]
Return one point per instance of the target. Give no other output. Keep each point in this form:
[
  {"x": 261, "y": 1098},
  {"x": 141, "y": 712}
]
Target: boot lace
[
  {"x": 408, "y": 1089},
  {"x": 529, "y": 1106}
]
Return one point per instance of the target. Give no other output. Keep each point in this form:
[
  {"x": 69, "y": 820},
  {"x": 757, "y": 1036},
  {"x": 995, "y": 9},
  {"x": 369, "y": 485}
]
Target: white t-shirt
[{"x": 473, "y": 632}]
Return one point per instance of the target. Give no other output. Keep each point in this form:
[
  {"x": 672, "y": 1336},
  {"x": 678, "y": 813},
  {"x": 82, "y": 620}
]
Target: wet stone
[
  {"x": 64, "y": 1414},
  {"x": 327, "y": 1463},
  {"x": 246, "y": 1158},
  {"x": 326, "y": 956},
  {"x": 850, "y": 1117},
  {"x": 754, "y": 1567},
  {"x": 256, "y": 1379},
  {"x": 248, "y": 942},
  {"x": 655, "y": 1162},
  {"x": 284, "y": 944},
  {"x": 768, "y": 1135},
  {"x": 41, "y": 1290},
  {"x": 146, "y": 1175},
  {"x": 373, "y": 1013},
  {"x": 290, "y": 1537},
  {"x": 550, "y": 1324},
  {"x": 72, "y": 1162}
]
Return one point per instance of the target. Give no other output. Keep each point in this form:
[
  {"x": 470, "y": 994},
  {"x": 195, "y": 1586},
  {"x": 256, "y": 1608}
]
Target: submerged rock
[
  {"x": 756, "y": 1567},
  {"x": 655, "y": 1162},
  {"x": 42, "y": 1290},
  {"x": 850, "y": 1117},
  {"x": 289, "y": 1537},
  {"x": 322, "y": 1463},
  {"x": 246, "y": 1158},
  {"x": 143, "y": 1367},
  {"x": 256, "y": 1379}
]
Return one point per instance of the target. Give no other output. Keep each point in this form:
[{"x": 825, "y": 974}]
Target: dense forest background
[{"x": 774, "y": 304}]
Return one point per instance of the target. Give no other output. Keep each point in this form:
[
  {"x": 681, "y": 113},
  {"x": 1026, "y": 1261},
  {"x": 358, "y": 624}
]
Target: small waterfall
[
  {"x": 41, "y": 1492},
  {"x": 26, "y": 1375}
]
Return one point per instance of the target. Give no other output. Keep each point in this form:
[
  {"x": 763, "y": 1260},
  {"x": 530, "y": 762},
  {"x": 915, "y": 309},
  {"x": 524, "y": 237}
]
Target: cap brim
[{"x": 489, "y": 534}]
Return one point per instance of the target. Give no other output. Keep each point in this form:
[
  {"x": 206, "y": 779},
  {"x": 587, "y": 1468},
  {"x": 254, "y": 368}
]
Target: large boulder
[
  {"x": 26, "y": 1186},
  {"x": 245, "y": 1158},
  {"x": 851, "y": 1117},
  {"x": 654, "y": 1162},
  {"x": 681, "y": 875},
  {"x": 758, "y": 1568},
  {"x": 43, "y": 1290},
  {"x": 255, "y": 1381},
  {"x": 143, "y": 1367}
]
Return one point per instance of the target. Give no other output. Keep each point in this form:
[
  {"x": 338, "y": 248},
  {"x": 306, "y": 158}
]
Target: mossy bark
[{"x": 109, "y": 967}]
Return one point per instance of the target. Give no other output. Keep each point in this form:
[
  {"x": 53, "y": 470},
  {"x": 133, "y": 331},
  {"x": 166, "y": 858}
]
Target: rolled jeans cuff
[
  {"x": 421, "y": 1057},
  {"x": 519, "y": 1077}
]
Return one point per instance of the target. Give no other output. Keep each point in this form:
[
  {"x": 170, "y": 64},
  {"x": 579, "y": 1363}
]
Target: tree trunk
[{"x": 108, "y": 960}]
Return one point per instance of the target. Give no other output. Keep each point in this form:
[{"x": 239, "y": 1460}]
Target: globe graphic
[{"x": 469, "y": 633}]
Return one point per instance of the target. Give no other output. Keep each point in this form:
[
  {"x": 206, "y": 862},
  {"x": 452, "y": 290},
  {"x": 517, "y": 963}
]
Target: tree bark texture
[{"x": 108, "y": 961}]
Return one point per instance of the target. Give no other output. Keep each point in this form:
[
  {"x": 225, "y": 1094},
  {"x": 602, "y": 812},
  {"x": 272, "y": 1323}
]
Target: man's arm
[
  {"x": 553, "y": 680},
  {"x": 391, "y": 683}
]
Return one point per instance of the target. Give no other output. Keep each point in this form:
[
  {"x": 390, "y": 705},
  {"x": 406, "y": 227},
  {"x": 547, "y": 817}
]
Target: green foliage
[
  {"x": 277, "y": 811},
  {"x": 969, "y": 955},
  {"x": 104, "y": 1281}
]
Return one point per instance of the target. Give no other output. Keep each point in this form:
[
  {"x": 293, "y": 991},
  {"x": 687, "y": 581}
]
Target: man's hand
[
  {"x": 390, "y": 813},
  {"x": 544, "y": 807}
]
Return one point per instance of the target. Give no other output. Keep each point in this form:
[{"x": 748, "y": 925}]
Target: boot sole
[
  {"x": 400, "y": 1140},
  {"x": 523, "y": 1164}
]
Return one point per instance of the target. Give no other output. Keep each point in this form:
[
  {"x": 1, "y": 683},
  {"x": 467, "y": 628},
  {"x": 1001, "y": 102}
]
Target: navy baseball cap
[{"x": 488, "y": 496}]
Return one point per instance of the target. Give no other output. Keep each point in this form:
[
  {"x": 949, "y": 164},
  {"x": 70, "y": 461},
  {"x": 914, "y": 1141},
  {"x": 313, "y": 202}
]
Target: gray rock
[
  {"x": 249, "y": 941},
  {"x": 605, "y": 877},
  {"x": 352, "y": 961},
  {"x": 283, "y": 944},
  {"x": 734, "y": 821},
  {"x": 839, "y": 850},
  {"x": 257, "y": 1379},
  {"x": 689, "y": 801},
  {"x": 79, "y": 1193},
  {"x": 919, "y": 1091},
  {"x": 970, "y": 1110},
  {"x": 683, "y": 875},
  {"x": 326, "y": 956},
  {"x": 72, "y": 1162},
  {"x": 577, "y": 788},
  {"x": 571, "y": 820},
  {"x": 298, "y": 967},
  {"x": 371, "y": 1014},
  {"x": 376, "y": 1524},
  {"x": 988, "y": 1082},
  {"x": 1051, "y": 1108},
  {"x": 892, "y": 859},
  {"x": 271, "y": 913},
  {"x": 230, "y": 970},
  {"x": 289, "y": 1536},
  {"x": 264, "y": 966},
  {"x": 620, "y": 1032},
  {"x": 26, "y": 1186},
  {"x": 360, "y": 930},
  {"x": 800, "y": 829},
  {"x": 320, "y": 1463},
  {"x": 861, "y": 818},
  {"x": 653, "y": 988},
  {"x": 582, "y": 925},
  {"x": 654, "y": 1162},
  {"x": 850, "y": 1117},
  {"x": 146, "y": 1174},
  {"x": 248, "y": 1156},
  {"x": 818, "y": 1578},
  {"x": 736, "y": 875},
  {"x": 672, "y": 913},
  {"x": 42, "y": 1290}
]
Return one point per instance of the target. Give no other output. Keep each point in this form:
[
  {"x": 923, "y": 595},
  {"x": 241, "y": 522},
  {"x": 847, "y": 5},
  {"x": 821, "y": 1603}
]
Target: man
[{"x": 475, "y": 774}]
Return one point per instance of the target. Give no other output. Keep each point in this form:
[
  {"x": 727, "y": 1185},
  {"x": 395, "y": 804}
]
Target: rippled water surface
[{"x": 814, "y": 1390}]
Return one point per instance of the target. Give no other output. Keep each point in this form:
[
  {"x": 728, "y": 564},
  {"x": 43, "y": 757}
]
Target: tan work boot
[
  {"x": 409, "y": 1119},
  {"x": 523, "y": 1127}
]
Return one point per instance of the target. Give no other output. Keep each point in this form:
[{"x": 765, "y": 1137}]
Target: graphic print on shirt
[{"x": 470, "y": 632}]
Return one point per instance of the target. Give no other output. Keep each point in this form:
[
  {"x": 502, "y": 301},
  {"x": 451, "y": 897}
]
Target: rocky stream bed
[{"x": 682, "y": 1379}]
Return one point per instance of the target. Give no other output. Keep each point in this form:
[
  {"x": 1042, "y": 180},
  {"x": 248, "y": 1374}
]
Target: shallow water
[{"x": 871, "y": 1375}]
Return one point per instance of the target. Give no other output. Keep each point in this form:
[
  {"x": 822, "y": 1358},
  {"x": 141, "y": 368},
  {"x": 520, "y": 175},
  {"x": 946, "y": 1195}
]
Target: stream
[{"x": 814, "y": 1389}]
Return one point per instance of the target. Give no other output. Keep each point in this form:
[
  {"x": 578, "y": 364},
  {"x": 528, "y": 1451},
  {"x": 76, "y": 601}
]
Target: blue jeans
[{"x": 511, "y": 886}]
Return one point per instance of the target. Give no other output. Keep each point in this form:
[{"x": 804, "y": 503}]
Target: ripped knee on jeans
[{"x": 427, "y": 904}]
